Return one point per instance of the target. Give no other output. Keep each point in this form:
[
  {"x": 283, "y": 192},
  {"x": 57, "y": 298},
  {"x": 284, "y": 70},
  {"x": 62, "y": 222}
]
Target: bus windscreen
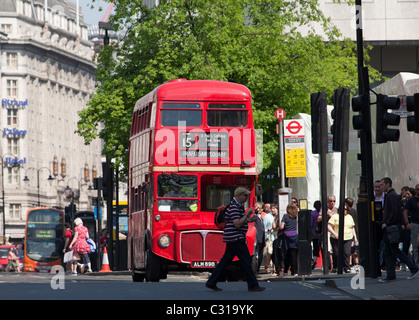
[
  {"x": 44, "y": 235},
  {"x": 179, "y": 192}
]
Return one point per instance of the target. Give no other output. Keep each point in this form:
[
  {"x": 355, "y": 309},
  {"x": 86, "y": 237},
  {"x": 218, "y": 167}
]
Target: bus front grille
[{"x": 198, "y": 245}]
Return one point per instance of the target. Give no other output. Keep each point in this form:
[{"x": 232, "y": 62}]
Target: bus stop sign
[{"x": 280, "y": 114}]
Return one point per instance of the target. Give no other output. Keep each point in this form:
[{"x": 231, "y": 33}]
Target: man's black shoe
[
  {"x": 257, "y": 289},
  {"x": 215, "y": 288}
]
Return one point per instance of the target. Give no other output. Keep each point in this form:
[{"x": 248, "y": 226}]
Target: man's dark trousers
[
  {"x": 233, "y": 249},
  {"x": 391, "y": 251}
]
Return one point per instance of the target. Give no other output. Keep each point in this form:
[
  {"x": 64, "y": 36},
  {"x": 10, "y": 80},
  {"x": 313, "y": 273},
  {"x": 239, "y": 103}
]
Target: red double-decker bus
[{"x": 191, "y": 144}]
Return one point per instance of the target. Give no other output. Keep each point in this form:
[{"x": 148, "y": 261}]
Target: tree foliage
[{"x": 257, "y": 43}]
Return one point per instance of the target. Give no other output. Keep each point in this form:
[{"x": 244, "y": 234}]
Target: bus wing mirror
[
  {"x": 145, "y": 187},
  {"x": 258, "y": 190}
]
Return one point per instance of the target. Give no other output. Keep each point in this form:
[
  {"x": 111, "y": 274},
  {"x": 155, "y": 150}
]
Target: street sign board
[
  {"x": 280, "y": 114},
  {"x": 295, "y": 152}
]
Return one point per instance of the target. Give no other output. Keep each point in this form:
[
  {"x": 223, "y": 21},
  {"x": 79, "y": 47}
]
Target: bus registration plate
[{"x": 203, "y": 264}]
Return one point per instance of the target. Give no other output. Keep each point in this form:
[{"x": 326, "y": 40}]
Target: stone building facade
[{"x": 47, "y": 75}]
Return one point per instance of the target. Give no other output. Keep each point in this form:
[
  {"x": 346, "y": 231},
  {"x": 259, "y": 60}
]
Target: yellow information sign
[{"x": 295, "y": 163}]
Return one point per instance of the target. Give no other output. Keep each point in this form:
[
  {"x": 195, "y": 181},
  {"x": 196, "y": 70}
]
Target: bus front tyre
[{"x": 152, "y": 266}]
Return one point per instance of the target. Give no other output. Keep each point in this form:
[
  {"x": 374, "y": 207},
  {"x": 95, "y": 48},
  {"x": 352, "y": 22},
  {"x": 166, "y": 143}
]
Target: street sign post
[{"x": 280, "y": 115}]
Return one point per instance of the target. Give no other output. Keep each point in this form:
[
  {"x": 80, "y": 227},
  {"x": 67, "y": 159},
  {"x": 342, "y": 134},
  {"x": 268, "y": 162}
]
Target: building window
[
  {"x": 13, "y": 175},
  {"x": 13, "y": 145},
  {"x": 12, "y": 60},
  {"x": 6, "y": 28},
  {"x": 12, "y": 88},
  {"x": 12, "y": 119},
  {"x": 15, "y": 210}
]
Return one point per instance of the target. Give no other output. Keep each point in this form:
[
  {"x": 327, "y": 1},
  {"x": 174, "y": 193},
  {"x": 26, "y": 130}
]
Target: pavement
[
  {"x": 355, "y": 284},
  {"x": 360, "y": 286}
]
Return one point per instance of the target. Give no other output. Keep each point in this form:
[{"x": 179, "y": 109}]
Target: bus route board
[{"x": 204, "y": 145}]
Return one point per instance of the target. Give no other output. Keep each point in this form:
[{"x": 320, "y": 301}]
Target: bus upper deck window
[
  {"x": 181, "y": 114},
  {"x": 226, "y": 115}
]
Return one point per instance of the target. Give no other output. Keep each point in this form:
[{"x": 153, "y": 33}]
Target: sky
[{"x": 92, "y": 16}]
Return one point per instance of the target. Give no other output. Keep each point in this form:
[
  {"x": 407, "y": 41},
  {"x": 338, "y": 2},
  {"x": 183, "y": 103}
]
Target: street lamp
[
  {"x": 68, "y": 190},
  {"x": 50, "y": 179},
  {"x": 75, "y": 193}
]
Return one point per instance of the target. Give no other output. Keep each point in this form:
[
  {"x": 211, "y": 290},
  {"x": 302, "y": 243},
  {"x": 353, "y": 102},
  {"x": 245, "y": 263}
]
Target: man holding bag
[{"x": 392, "y": 216}]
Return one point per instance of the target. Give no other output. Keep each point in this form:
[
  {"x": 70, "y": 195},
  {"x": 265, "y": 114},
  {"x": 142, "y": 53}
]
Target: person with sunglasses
[
  {"x": 331, "y": 210},
  {"x": 331, "y": 206}
]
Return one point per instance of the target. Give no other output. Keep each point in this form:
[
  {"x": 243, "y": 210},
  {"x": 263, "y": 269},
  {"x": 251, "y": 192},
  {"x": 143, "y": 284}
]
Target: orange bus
[
  {"x": 44, "y": 239},
  {"x": 191, "y": 144}
]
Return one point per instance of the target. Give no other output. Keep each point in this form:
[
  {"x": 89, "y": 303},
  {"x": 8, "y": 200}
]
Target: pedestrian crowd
[
  {"x": 277, "y": 236},
  {"x": 397, "y": 229}
]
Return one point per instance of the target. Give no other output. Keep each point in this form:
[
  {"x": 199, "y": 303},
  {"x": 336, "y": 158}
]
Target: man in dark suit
[
  {"x": 392, "y": 216},
  {"x": 260, "y": 233}
]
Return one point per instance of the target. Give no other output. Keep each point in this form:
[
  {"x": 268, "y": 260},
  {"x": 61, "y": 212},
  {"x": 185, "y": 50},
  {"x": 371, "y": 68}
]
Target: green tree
[{"x": 253, "y": 42}]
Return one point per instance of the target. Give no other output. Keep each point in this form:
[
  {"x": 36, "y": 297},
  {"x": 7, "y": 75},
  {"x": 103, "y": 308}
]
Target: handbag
[
  {"x": 68, "y": 256},
  {"x": 91, "y": 244},
  {"x": 393, "y": 234}
]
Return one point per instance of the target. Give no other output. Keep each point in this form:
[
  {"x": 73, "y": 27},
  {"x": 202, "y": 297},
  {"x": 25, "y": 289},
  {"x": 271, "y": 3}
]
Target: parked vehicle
[{"x": 4, "y": 252}]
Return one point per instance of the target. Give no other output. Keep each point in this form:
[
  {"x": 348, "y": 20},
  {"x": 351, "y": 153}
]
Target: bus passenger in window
[{"x": 175, "y": 192}]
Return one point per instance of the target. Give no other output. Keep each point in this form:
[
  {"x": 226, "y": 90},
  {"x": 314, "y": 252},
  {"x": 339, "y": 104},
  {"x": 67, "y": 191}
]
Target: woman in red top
[
  {"x": 79, "y": 245},
  {"x": 13, "y": 261}
]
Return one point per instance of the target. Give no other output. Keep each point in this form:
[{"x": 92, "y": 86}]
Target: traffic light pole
[
  {"x": 323, "y": 179},
  {"x": 367, "y": 242},
  {"x": 344, "y": 101},
  {"x": 320, "y": 147},
  {"x": 108, "y": 176},
  {"x": 99, "y": 220}
]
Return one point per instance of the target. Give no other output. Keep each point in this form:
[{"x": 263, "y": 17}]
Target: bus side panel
[{"x": 138, "y": 239}]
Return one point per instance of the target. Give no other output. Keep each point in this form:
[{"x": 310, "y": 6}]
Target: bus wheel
[
  {"x": 152, "y": 266},
  {"x": 137, "y": 277}
]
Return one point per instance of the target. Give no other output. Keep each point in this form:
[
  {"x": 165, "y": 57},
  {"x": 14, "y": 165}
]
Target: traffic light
[
  {"x": 97, "y": 183},
  {"x": 412, "y": 104},
  {"x": 340, "y": 99},
  {"x": 359, "y": 103},
  {"x": 384, "y": 119},
  {"x": 68, "y": 211},
  {"x": 316, "y": 100}
]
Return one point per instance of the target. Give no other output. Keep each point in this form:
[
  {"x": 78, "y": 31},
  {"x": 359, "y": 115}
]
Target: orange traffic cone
[{"x": 105, "y": 262}]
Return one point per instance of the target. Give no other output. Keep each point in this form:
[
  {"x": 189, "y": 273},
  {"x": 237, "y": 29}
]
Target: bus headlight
[{"x": 164, "y": 241}]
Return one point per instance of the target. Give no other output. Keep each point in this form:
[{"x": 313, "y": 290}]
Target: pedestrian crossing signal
[
  {"x": 385, "y": 119},
  {"x": 412, "y": 104}
]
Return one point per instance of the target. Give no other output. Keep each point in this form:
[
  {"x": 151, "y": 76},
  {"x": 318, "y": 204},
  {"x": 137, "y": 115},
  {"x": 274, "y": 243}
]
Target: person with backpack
[
  {"x": 68, "y": 236},
  {"x": 235, "y": 239}
]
